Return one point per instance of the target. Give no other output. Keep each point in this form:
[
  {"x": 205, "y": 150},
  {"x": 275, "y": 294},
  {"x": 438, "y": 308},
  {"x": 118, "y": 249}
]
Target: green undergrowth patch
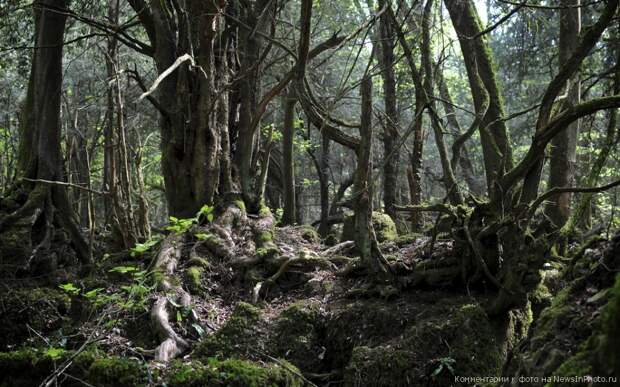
[
  {"x": 239, "y": 337},
  {"x": 234, "y": 373},
  {"x": 30, "y": 366}
]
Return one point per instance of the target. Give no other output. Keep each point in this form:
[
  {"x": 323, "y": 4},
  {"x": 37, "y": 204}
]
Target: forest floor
[{"x": 313, "y": 325}]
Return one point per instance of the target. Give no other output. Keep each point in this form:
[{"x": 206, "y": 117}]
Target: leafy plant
[
  {"x": 179, "y": 226},
  {"x": 70, "y": 288},
  {"x": 207, "y": 212},
  {"x": 141, "y": 248}
]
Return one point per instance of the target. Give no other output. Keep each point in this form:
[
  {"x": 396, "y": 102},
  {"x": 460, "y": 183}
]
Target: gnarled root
[{"x": 166, "y": 262}]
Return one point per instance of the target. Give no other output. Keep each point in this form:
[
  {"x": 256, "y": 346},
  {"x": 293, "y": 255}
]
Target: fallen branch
[{"x": 180, "y": 60}]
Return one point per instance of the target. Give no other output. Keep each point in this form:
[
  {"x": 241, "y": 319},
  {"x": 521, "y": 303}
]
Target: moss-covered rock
[
  {"x": 577, "y": 335},
  {"x": 384, "y": 226},
  {"x": 309, "y": 234},
  {"x": 297, "y": 334},
  {"x": 117, "y": 372},
  {"x": 29, "y": 367},
  {"x": 233, "y": 373},
  {"x": 456, "y": 338},
  {"x": 407, "y": 239},
  {"x": 239, "y": 337},
  {"x": 194, "y": 279},
  {"x": 610, "y": 358},
  {"x": 44, "y": 310}
]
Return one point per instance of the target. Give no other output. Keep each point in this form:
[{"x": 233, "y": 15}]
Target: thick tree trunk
[
  {"x": 40, "y": 155},
  {"x": 564, "y": 145},
  {"x": 255, "y": 15},
  {"x": 288, "y": 160},
  {"x": 390, "y": 135},
  {"x": 190, "y": 139},
  {"x": 494, "y": 136}
]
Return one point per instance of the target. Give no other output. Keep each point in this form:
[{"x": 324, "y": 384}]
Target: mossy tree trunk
[{"x": 365, "y": 238}]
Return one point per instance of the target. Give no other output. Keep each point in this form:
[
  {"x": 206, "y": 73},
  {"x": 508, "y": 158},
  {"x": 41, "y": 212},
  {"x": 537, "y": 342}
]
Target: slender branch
[
  {"x": 65, "y": 184},
  {"x": 558, "y": 190}
]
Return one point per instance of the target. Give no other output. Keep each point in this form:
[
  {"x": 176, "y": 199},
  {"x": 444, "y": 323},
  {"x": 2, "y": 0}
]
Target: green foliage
[
  {"x": 206, "y": 212},
  {"x": 180, "y": 226},
  {"x": 70, "y": 289},
  {"x": 141, "y": 248}
]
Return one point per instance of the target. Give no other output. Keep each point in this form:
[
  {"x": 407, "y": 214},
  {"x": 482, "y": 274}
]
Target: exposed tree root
[{"x": 172, "y": 344}]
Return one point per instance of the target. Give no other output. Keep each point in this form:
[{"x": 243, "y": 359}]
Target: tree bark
[
  {"x": 564, "y": 146},
  {"x": 365, "y": 238},
  {"x": 40, "y": 154},
  {"x": 390, "y": 135},
  {"x": 478, "y": 58},
  {"x": 186, "y": 99},
  {"x": 288, "y": 161}
]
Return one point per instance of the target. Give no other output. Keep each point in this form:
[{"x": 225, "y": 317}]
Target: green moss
[
  {"x": 264, "y": 210},
  {"x": 264, "y": 237},
  {"x": 407, "y": 239},
  {"x": 44, "y": 310},
  {"x": 460, "y": 335},
  {"x": 194, "y": 279},
  {"x": 576, "y": 365},
  {"x": 233, "y": 373},
  {"x": 384, "y": 227},
  {"x": 296, "y": 335},
  {"x": 28, "y": 367},
  {"x": 116, "y": 372},
  {"x": 540, "y": 299},
  {"x": 237, "y": 338},
  {"x": 240, "y": 204},
  {"x": 382, "y": 365},
  {"x": 551, "y": 317},
  {"x": 200, "y": 262},
  {"x": 611, "y": 330},
  {"x": 309, "y": 234}
]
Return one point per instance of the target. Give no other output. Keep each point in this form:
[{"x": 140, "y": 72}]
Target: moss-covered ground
[{"x": 308, "y": 329}]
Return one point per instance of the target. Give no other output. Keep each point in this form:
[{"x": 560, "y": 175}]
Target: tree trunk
[
  {"x": 564, "y": 145},
  {"x": 390, "y": 135},
  {"x": 324, "y": 227},
  {"x": 288, "y": 160},
  {"x": 365, "y": 238},
  {"x": 189, "y": 135},
  {"x": 496, "y": 147},
  {"x": 40, "y": 155},
  {"x": 250, "y": 45}
]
